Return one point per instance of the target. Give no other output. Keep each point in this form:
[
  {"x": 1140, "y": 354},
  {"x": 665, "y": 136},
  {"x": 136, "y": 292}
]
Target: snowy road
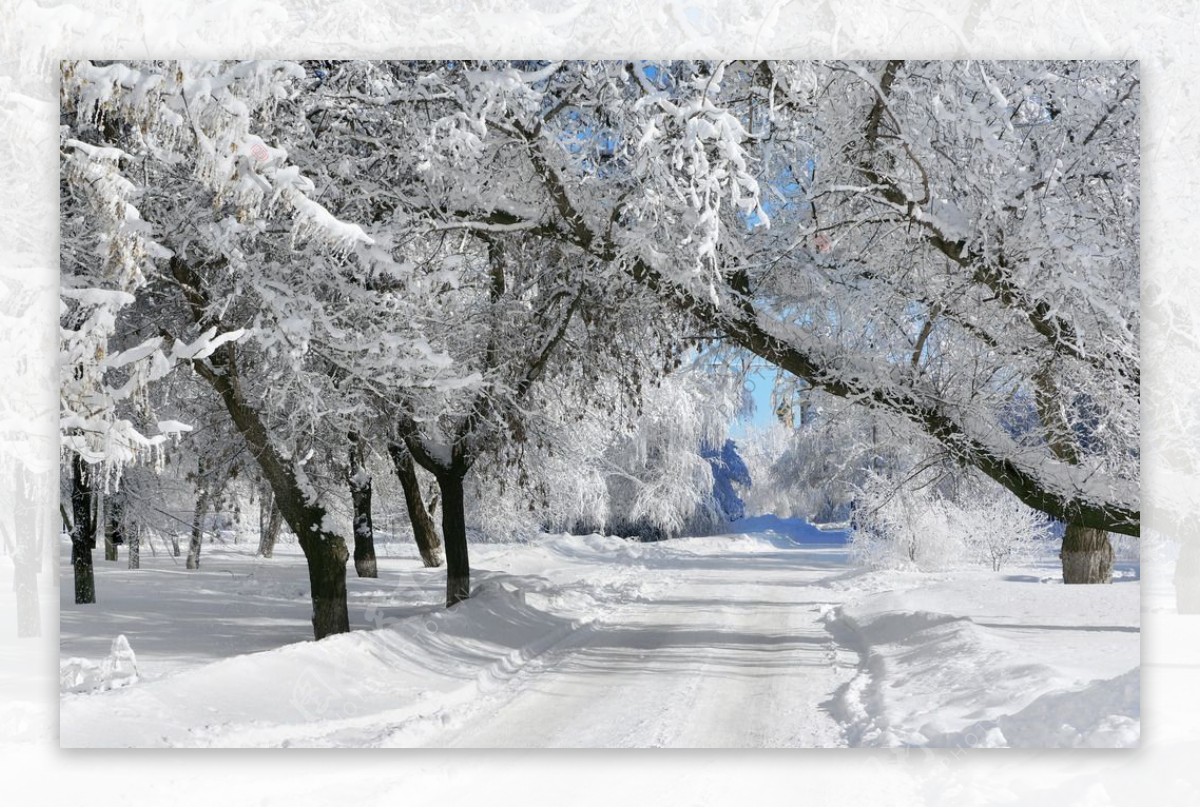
[
  {"x": 716, "y": 651},
  {"x": 589, "y": 641}
]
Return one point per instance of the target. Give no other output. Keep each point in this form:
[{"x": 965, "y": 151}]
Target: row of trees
[{"x": 480, "y": 266}]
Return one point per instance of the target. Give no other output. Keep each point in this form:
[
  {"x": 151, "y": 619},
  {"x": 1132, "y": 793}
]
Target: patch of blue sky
[{"x": 759, "y": 383}]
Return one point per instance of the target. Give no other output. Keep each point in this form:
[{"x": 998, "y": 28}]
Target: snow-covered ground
[{"x": 761, "y": 639}]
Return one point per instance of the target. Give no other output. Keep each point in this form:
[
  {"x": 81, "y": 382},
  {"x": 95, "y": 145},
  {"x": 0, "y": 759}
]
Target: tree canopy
[{"x": 463, "y": 255}]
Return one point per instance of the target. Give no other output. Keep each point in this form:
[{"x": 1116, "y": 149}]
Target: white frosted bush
[{"x": 910, "y": 523}]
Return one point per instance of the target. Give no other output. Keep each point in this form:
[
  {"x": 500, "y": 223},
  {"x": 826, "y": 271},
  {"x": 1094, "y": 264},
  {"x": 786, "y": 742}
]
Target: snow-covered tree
[
  {"x": 931, "y": 239},
  {"x": 814, "y": 466},
  {"x": 660, "y": 476},
  {"x": 454, "y": 259},
  {"x": 246, "y": 274}
]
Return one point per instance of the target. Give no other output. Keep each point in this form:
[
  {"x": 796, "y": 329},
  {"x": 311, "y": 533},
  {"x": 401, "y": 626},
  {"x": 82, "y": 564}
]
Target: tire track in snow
[{"x": 731, "y": 656}]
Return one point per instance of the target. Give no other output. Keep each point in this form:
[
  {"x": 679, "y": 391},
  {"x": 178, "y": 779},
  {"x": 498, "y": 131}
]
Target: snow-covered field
[{"x": 758, "y": 639}]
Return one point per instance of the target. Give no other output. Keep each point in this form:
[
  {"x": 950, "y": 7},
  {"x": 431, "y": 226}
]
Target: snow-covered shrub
[
  {"x": 898, "y": 524},
  {"x": 934, "y": 523},
  {"x": 997, "y": 528},
  {"x": 119, "y": 669}
]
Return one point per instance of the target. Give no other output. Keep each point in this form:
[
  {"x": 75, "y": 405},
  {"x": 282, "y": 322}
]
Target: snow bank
[
  {"x": 362, "y": 688},
  {"x": 1103, "y": 714},
  {"x": 982, "y": 662},
  {"x": 425, "y": 669}
]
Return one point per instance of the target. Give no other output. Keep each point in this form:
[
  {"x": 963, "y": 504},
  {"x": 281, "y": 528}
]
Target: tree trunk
[
  {"x": 114, "y": 518},
  {"x": 327, "y": 580},
  {"x": 103, "y": 521},
  {"x": 1087, "y": 556},
  {"x": 270, "y": 534},
  {"x": 133, "y": 538},
  {"x": 454, "y": 529},
  {"x": 360, "y": 496},
  {"x": 324, "y": 550},
  {"x": 83, "y": 536},
  {"x": 26, "y": 541},
  {"x": 193, "y": 557},
  {"x": 29, "y": 615},
  {"x": 429, "y": 543}
]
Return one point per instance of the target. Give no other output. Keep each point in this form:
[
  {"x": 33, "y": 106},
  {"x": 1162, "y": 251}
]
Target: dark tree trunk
[
  {"x": 104, "y": 525},
  {"x": 83, "y": 534},
  {"x": 454, "y": 529},
  {"x": 360, "y": 496},
  {"x": 193, "y": 556},
  {"x": 1087, "y": 556},
  {"x": 327, "y": 579},
  {"x": 324, "y": 550},
  {"x": 114, "y": 518},
  {"x": 429, "y": 543}
]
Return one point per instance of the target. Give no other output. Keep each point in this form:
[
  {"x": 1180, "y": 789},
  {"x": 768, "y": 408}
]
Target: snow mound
[{"x": 118, "y": 669}]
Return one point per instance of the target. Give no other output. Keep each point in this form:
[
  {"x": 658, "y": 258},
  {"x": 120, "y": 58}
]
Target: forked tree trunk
[
  {"x": 429, "y": 543},
  {"x": 1087, "y": 556},
  {"x": 360, "y": 496},
  {"x": 83, "y": 535},
  {"x": 454, "y": 529}
]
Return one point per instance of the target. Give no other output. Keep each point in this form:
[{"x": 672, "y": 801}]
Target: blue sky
[{"x": 760, "y": 381}]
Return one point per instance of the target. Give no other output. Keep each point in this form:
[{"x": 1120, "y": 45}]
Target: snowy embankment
[
  {"x": 766, "y": 639},
  {"x": 984, "y": 659}
]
